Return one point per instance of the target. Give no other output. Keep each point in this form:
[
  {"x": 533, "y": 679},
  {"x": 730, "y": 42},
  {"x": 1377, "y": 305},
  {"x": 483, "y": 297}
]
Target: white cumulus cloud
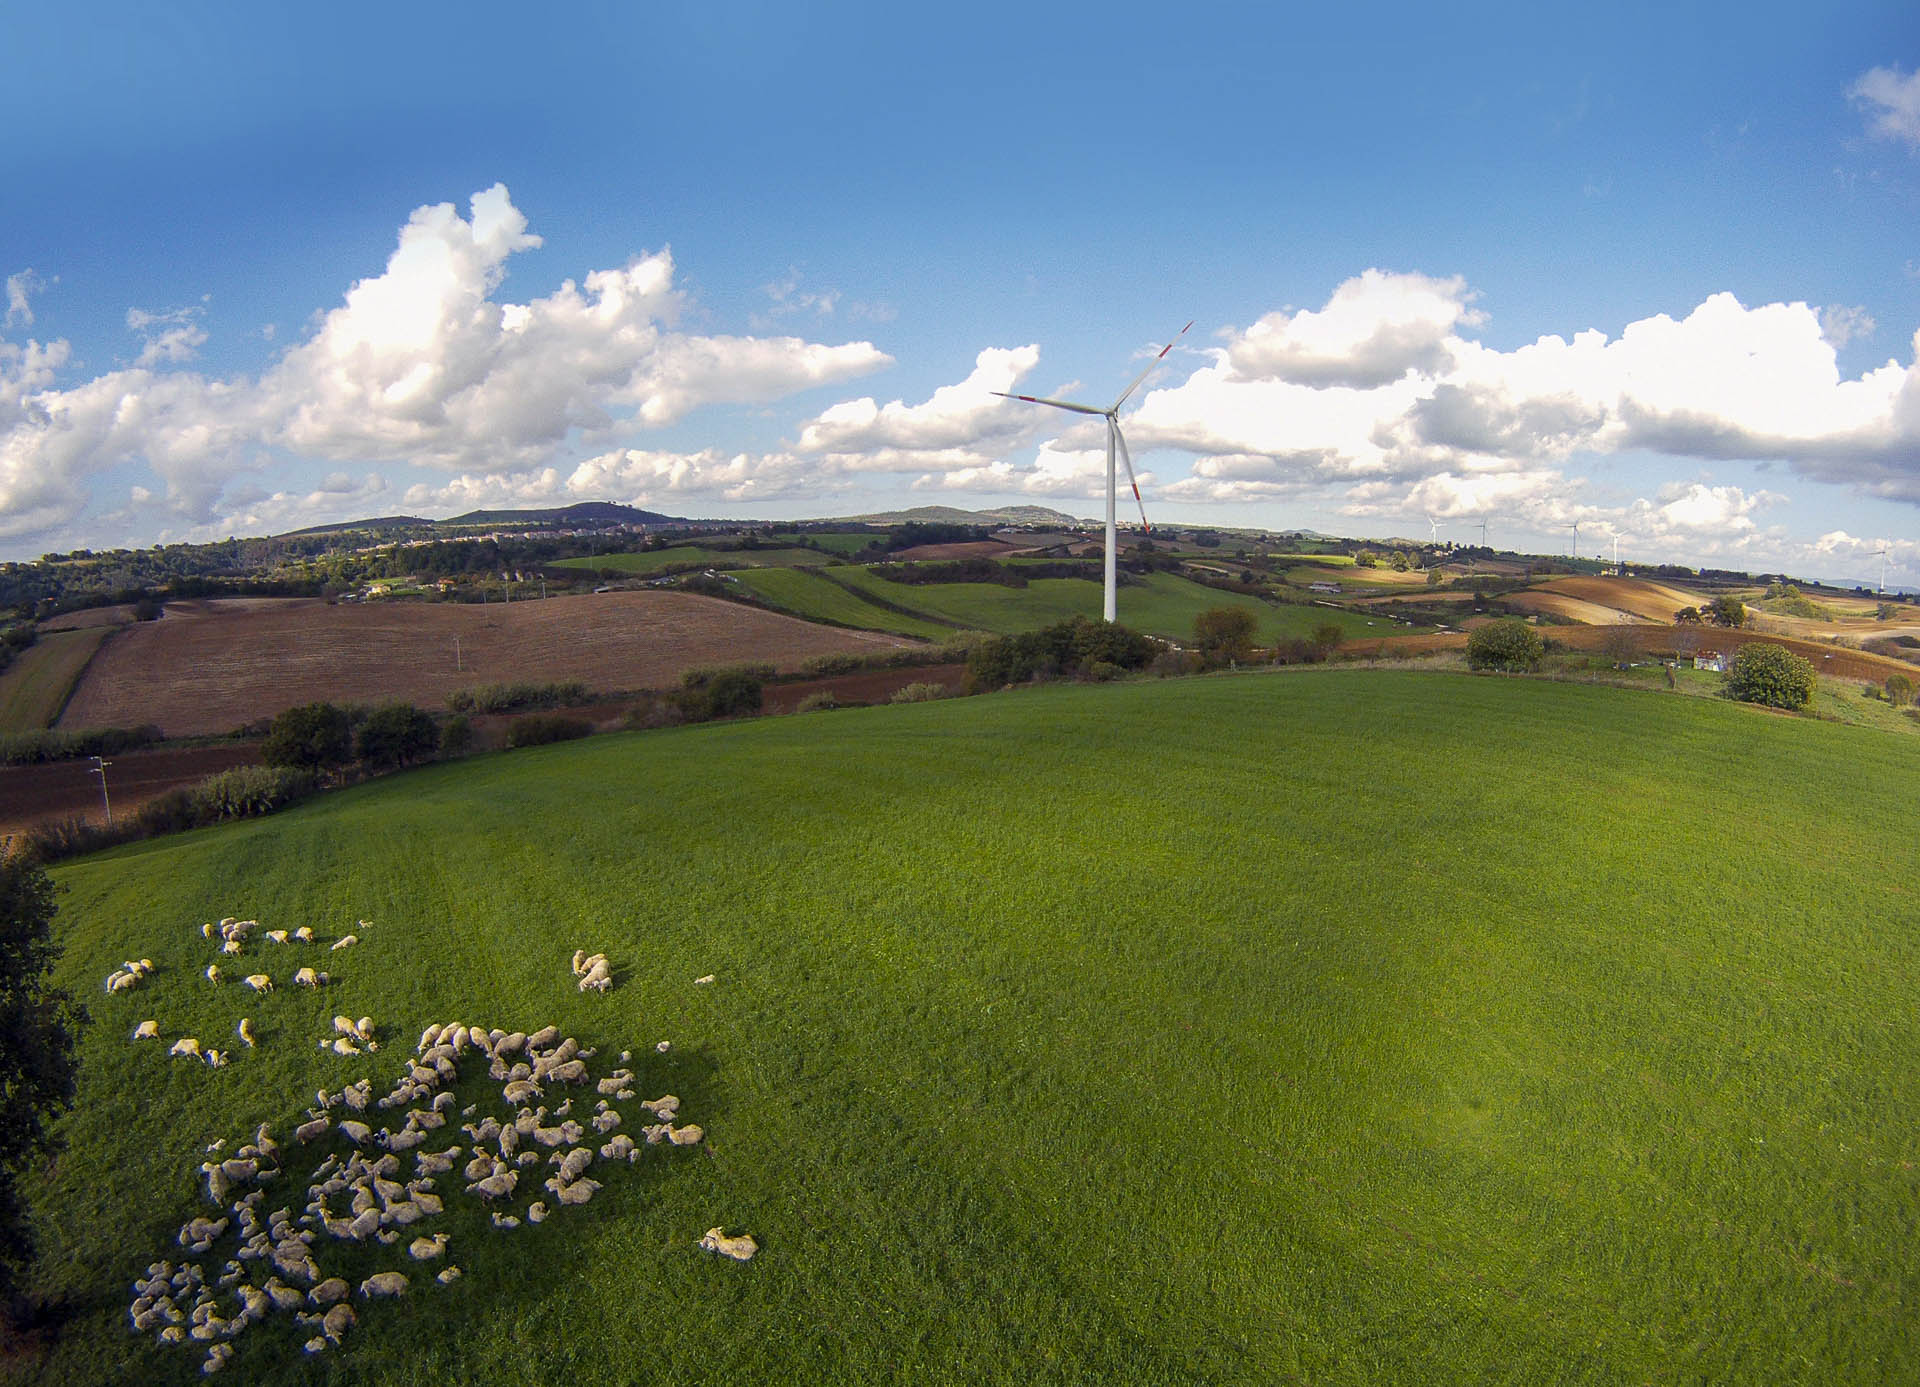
[
  {"x": 420, "y": 364},
  {"x": 1892, "y": 102}
]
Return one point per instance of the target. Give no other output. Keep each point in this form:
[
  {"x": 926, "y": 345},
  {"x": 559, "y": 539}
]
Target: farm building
[{"x": 1711, "y": 660}]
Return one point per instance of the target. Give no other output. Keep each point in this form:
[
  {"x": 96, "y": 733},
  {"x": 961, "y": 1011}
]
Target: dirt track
[{"x": 211, "y": 667}]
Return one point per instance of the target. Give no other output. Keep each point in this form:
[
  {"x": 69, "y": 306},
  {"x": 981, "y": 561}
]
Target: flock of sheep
[{"x": 381, "y": 1176}]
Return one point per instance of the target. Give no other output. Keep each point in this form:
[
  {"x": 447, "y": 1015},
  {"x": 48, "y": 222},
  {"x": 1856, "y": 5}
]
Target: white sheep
[
  {"x": 426, "y": 1249},
  {"x": 579, "y": 1192},
  {"x": 449, "y": 1276},
  {"x": 245, "y": 1030},
  {"x": 364, "y": 1028},
  {"x": 233, "y": 946},
  {"x": 702, "y": 982},
  {"x": 688, "y": 1135},
  {"x": 346, "y": 941},
  {"x": 338, "y": 1321},
  {"x": 740, "y": 1248},
  {"x": 278, "y": 936},
  {"x": 213, "y": 972},
  {"x": 259, "y": 982},
  {"x": 344, "y": 1026},
  {"x": 187, "y": 1046},
  {"x": 147, "y": 1030},
  {"x": 120, "y": 980},
  {"x": 216, "y": 1059},
  {"x": 384, "y": 1283},
  {"x": 343, "y": 1046},
  {"x": 311, "y": 1131},
  {"x": 304, "y": 934}
]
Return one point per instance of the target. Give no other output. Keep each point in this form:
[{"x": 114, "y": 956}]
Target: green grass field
[
  {"x": 36, "y": 685},
  {"x": 1327, "y": 1027},
  {"x": 841, "y": 542},
  {"x": 1163, "y": 604},
  {"x": 656, "y": 560},
  {"x": 805, "y": 593}
]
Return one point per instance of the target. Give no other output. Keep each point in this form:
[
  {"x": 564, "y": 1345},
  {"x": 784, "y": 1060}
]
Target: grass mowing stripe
[{"x": 1349, "y": 1027}]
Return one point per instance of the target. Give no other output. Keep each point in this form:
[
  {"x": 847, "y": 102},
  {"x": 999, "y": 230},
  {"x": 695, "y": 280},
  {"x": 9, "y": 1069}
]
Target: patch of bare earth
[
  {"x": 971, "y": 549},
  {"x": 228, "y": 666},
  {"x": 68, "y": 789}
]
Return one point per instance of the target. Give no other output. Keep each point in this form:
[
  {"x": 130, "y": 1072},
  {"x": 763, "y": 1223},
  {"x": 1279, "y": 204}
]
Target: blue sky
[{"x": 1650, "y": 269}]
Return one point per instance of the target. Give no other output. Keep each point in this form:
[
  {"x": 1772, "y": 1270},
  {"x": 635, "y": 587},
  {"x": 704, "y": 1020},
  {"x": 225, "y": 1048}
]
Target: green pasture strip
[
  {"x": 1333, "y": 1027},
  {"x": 655, "y": 560},
  {"x": 1162, "y": 604},
  {"x": 36, "y": 686},
  {"x": 805, "y": 593},
  {"x": 1349, "y": 577},
  {"x": 842, "y": 543}
]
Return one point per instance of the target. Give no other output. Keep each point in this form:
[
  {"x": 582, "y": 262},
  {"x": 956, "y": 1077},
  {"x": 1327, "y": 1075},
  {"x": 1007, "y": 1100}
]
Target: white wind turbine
[
  {"x": 1115, "y": 443},
  {"x": 1881, "y": 555}
]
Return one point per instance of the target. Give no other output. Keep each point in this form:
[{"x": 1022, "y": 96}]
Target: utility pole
[
  {"x": 100, "y": 769},
  {"x": 456, "y": 653}
]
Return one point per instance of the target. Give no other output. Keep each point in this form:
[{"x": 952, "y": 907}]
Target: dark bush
[
  {"x": 1072, "y": 645},
  {"x": 396, "y": 734},
  {"x": 314, "y": 736},
  {"x": 1508, "y": 644},
  {"x": 31, "y": 748},
  {"x": 508, "y": 698},
  {"x": 538, "y": 729},
  {"x": 1770, "y": 674},
  {"x": 456, "y": 738}
]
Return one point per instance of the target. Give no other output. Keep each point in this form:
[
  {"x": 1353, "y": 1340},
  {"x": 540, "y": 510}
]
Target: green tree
[
  {"x": 38, "y": 1026},
  {"x": 1687, "y": 616},
  {"x": 1509, "y": 644},
  {"x": 1886, "y": 611},
  {"x": 1400, "y": 562},
  {"x": 396, "y": 734},
  {"x": 1224, "y": 634},
  {"x": 1327, "y": 637},
  {"x": 1770, "y": 674},
  {"x": 1899, "y": 690},
  {"x": 1727, "y": 611},
  {"x": 314, "y": 735}
]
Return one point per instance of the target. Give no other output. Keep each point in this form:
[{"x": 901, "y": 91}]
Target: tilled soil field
[
  {"x": 63, "y": 789},
  {"x": 205, "y": 671}
]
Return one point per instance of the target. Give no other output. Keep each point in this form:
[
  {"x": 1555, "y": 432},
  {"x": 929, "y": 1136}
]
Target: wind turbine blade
[
  {"x": 1127, "y": 458},
  {"x": 1149, "y": 371},
  {"x": 1057, "y": 404}
]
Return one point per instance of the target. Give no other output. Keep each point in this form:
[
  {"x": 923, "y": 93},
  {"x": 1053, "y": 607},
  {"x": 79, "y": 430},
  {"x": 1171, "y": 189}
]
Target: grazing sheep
[
  {"x": 449, "y": 1276},
  {"x": 364, "y": 1028},
  {"x": 232, "y": 946},
  {"x": 338, "y": 1321},
  {"x": 663, "y": 1047},
  {"x": 740, "y": 1248},
  {"x": 426, "y": 1249},
  {"x": 121, "y": 980},
  {"x": 505, "y": 1221},
  {"x": 310, "y": 1131},
  {"x": 216, "y": 1059},
  {"x": 606, "y": 1122},
  {"x": 665, "y": 1108},
  {"x": 495, "y": 1186},
  {"x": 579, "y": 1192},
  {"x": 384, "y": 1283},
  {"x": 344, "y": 1025},
  {"x": 343, "y": 1046},
  {"x": 213, "y": 972},
  {"x": 306, "y": 977},
  {"x": 543, "y": 1037},
  {"x": 701, "y": 982},
  {"x": 278, "y": 936},
  {"x": 304, "y": 934},
  {"x": 688, "y": 1135},
  {"x": 186, "y": 1045},
  {"x": 620, "y": 1147},
  {"x": 356, "y": 1132},
  {"x": 346, "y": 941},
  {"x": 147, "y": 1030},
  {"x": 537, "y": 1212},
  {"x": 259, "y": 982},
  {"x": 245, "y": 1030},
  {"x": 329, "y": 1292}
]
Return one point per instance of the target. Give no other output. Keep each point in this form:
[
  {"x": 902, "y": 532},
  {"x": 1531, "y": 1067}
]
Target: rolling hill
[{"x": 1330, "y": 1027}]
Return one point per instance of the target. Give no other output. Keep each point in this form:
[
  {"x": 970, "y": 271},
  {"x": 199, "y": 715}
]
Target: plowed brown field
[
  {"x": 1623, "y": 599},
  {"x": 211, "y": 667}
]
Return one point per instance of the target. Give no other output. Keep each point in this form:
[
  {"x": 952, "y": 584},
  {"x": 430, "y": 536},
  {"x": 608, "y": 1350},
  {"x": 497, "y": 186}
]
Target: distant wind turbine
[
  {"x": 1483, "y": 532},
  {"x": 1574, "y": 525},
  {"x": 1881, "y": 555},
  {"x": 1433, "y": 527},
  {"x": 1115, "y": 443}
]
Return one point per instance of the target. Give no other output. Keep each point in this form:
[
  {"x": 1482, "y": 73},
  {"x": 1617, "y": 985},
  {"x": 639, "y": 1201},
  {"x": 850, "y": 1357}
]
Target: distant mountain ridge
[
  {"x": 588, "y": 513},
  {"x": 950, "y": 515}
]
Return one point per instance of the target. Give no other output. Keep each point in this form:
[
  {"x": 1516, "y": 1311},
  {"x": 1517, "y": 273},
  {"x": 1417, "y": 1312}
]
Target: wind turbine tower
[
  {"x": 1881, "y": 555},
  {"x": 1483, "y": 532},
  {"x": 1574, "y": 525},
  {"x": 1116, "y": 443}
]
